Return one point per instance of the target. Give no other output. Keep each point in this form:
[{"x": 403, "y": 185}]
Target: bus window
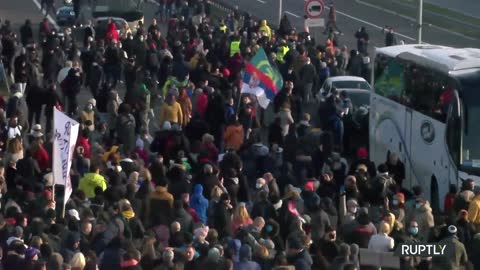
[
  {"x": 427, "y": 92},
  {"x": 389, "y": 80}
]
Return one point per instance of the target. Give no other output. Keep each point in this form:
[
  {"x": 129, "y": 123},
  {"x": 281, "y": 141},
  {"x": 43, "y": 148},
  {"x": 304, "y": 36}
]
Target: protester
[{"x": 188, "y": 171}]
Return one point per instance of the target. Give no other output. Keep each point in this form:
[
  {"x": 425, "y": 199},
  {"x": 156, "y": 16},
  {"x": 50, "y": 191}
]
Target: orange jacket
[{"x": 234, "y": 137}]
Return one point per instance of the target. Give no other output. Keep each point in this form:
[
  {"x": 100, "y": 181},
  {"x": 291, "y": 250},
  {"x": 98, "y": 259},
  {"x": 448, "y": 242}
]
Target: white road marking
[
  {"x": 292, "y": 14},
  {"x": 261, "y": 1},
  {"x": 49, "y": 18},
  {"x": 413, "y": 19},
  {"x": 370, "y": 24},
  {"x": 367, "y": 23}
]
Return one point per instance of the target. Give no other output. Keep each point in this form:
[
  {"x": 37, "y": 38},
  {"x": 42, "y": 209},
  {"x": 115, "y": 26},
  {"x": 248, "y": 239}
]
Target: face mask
[
  {"x": 118, "y": 168},
  {"x": 418, "y": 205},
  {"x": 258, "y": 186},
  {"x": 395, "y": 202},
  {"x": 413, "y": 230},
  {"x": 89, "y": 107},
  {"x": 353, "y": 210}
]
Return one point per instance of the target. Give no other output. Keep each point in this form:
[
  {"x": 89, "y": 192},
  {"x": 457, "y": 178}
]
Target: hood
[
  {"x": 72, "y": 238},
  {"x": 468, "y": 195},
  {"x": 198, "y": 190},
  {"x": 112, "y": 27},
  {"x": 425, "y": 208},
  {"x": 245, "y": 253},
  {"x": 263, "y": 23},
  {"x": 235, "y": 245},
  {"x": 354, "y": 250}
]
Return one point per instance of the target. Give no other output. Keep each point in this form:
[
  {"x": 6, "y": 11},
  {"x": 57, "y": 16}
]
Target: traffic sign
[
  {"x": 315, "y": 22},
  {"x": 314, "y": 9}
]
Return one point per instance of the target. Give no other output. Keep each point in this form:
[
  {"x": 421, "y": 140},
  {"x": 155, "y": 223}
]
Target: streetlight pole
[
  {"x": 420, "y": 21},
  {"x": 279, "y": 12}
]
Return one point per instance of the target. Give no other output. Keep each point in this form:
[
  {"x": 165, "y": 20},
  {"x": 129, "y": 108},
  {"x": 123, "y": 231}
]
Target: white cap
[{"x": 74, "y": 213}]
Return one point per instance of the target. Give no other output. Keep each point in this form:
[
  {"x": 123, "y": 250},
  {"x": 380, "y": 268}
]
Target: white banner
[{"x": 65, "y": 138}]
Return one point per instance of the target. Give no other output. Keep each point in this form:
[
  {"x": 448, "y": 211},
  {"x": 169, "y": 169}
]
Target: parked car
[
  {"x": 357, "y": 88},
  {"x": 101, "y": 26}
]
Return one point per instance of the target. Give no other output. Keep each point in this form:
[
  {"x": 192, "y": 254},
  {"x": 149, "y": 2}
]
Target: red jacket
[
  {"x": 112, "y": 33},
  {"x": 83, "y": 142},
  {"x": 449, "y": 199},
  {"x": 42, "y": 158},
  {"x": 202, "y": 103}
]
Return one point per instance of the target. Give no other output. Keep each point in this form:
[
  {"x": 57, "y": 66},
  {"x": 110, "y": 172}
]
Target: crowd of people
[{"x": 182, "y": 171}]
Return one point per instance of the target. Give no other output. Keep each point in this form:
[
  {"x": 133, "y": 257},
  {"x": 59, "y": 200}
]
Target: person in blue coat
[{"x": 199, "y": 203}]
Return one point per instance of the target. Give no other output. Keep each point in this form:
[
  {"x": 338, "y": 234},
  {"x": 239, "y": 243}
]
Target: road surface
[{"x": 351, "y": 15}]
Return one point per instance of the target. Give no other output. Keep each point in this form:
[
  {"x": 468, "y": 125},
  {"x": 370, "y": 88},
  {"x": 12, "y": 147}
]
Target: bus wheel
[{"x": 434, "y": 197}]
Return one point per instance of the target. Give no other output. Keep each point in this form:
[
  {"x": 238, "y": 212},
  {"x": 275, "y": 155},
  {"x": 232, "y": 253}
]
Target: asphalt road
[{"x": 351, "y": 15}]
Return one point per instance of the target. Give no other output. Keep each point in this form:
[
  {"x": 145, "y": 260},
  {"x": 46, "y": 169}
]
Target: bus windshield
[{"x": 470, "y": 95}]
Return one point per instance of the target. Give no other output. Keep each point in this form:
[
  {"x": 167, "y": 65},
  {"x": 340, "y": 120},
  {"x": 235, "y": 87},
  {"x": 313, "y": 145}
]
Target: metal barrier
[{"x": 378, "y": 259}]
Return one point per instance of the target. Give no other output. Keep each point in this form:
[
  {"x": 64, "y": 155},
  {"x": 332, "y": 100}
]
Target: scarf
[{"x": 129, "y": 214}]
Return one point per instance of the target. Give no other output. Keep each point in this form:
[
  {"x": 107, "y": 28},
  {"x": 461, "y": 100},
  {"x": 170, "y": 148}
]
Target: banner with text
[{"x": 65, "y": 137}]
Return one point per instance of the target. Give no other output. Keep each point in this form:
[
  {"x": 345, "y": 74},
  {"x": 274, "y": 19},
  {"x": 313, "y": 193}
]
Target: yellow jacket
[
  {"x": 89, "y": 182},
  {"x": 474, "y": 210},
  {"x": 171, "y": 113},
  {"x": 265, "y": 28}
]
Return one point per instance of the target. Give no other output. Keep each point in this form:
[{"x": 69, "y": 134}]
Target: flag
[
  {"x": 65, "y": 137},
  {"x": 261, "y": 79}
]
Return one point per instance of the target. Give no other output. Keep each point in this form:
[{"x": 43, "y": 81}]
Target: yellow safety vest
[
  {"x": 234, "y": 47},
  {"x": 281, "y": 52},
  {"x": 223, "y": 28}
]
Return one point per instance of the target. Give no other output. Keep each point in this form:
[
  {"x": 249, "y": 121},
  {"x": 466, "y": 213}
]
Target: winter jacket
[
  {"x": 474, "y": 211},
  {"x": 424, "y": 218},
  {"x": 43, "y": 159},
  {"x": 159, "y": 208},
  {"x": 126, "y": 132},
  {"x": 381, "y": 242},
  {"x": 286, "y": 120},
  {"x": 456, "y": 255},
  {"x": 265, "y": 28},
  {"x": 245, "y": 262},
  {"x": 171, "y": 113},
  {"x": 89, "y": 182},
  {"x": 234, "y": 135},
  {"x": 302, "y": 261}
]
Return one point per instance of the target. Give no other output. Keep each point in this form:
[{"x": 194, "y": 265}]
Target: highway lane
[{"x": 351, "y": 15}]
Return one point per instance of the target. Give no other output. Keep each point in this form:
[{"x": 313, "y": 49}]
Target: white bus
[{"x": 426, "y": 108}]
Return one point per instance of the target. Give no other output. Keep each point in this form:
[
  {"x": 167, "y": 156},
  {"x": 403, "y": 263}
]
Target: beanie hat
[
  {"x": 362, "y": 153},
  {"x": 309, "y": 186},
  {"x": 31, "y": 252}
]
